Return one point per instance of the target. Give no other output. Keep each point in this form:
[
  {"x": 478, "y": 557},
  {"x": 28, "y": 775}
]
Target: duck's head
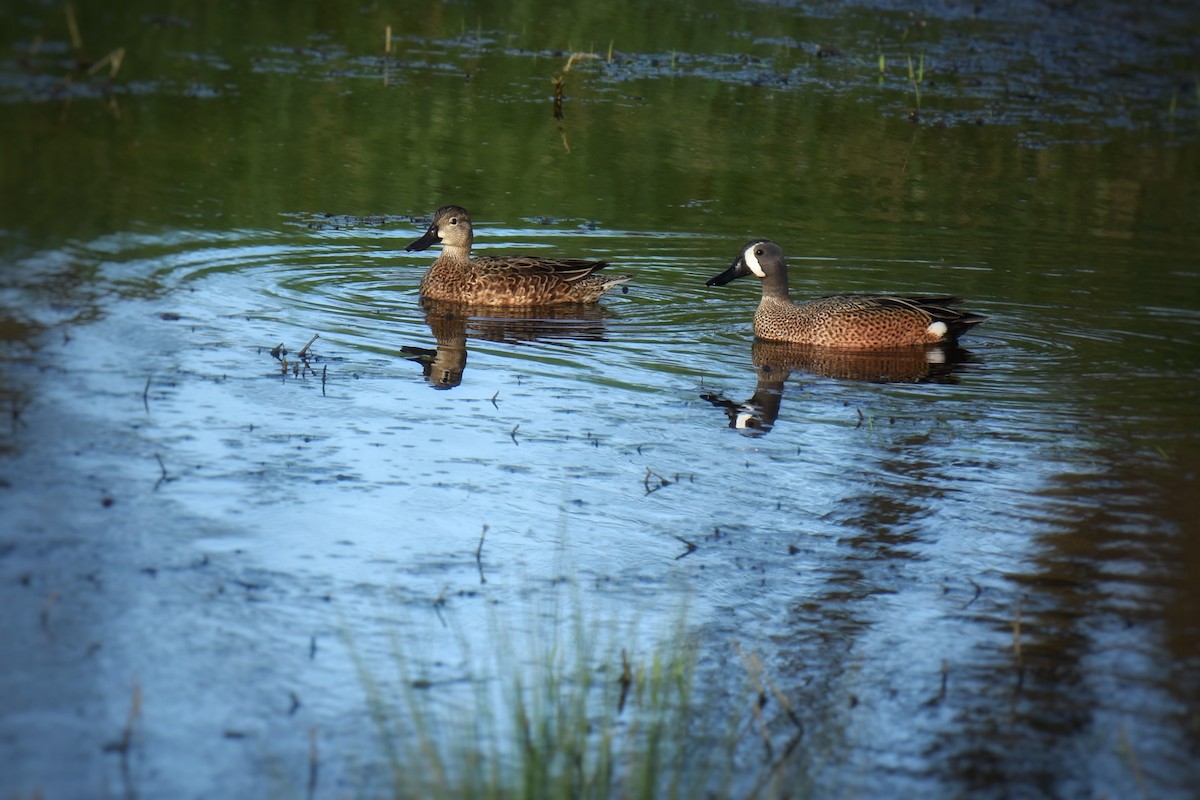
[
  {"x": 762, "y": 259},
  {"x": 451, "y": 227}
]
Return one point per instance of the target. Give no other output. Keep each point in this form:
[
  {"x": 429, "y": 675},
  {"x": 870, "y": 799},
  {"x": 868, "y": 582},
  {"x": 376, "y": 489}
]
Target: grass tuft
[{"x": 581, "y": 708}]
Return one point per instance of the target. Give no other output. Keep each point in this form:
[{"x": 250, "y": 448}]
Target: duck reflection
[
  {"x": 775, "y": 361},
  {"x": 453, "y": 323}
]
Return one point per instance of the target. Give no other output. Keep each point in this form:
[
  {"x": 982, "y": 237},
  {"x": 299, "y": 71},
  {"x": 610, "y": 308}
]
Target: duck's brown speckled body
[
  {"x": 863, "y": 321},
  {"x": 503, "y": 280}
]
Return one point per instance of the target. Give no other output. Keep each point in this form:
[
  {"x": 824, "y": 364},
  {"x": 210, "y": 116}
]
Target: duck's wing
[
  {"x": 928, "y": 308},
  {"x": 936, "y": 307},
  {"x": 567, "y": 269},
  {"x": 939, "y": 309}
]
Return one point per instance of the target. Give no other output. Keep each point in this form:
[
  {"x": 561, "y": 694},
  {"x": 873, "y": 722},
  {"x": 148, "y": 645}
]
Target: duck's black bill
[
  {"x": 737, "y": 270},
  {"x": 430, "y": 238}
]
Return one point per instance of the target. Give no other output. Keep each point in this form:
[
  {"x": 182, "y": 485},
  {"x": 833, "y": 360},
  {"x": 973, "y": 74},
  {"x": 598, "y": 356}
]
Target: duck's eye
[
  {"x": 758, "y": 252},
  {"x": 454, "y": 220}
]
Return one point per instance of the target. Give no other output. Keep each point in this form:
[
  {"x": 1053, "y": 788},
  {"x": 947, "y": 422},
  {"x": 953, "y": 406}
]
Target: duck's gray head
[
  {"x": 758, "y": 258},
  {"x": 451, "y": 226}
]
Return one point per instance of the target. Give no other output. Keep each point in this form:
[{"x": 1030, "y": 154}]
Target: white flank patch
[
  {"x": 937, "y": 329},
  {"x": 752, "y": 262}
]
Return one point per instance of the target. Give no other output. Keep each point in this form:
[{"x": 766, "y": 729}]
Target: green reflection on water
[{"x": 720, "y": 118}]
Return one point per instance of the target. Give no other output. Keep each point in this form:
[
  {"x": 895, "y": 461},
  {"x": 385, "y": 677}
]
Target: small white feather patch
[
  {"x": 752, "y": 262},
  {"x": 937, "y": 329}
]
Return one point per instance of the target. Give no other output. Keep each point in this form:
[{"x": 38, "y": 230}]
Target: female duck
[
  {"x": 863, "y": 321},
  {"x": 503, "y": 280}
]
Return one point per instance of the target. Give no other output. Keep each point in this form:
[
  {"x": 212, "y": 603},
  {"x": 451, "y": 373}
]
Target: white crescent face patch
[{"x": 752, "y": 261}]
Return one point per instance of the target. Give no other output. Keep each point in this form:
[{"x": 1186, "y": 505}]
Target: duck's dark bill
[
  {"x": 736, "y": 271},
  {"x": 430, "y": 238}
]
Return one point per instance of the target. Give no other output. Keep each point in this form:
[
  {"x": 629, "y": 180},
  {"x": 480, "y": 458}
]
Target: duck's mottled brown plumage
[
  {"x": 861, "y": 321},
  {"x": 503, "y": 280}
]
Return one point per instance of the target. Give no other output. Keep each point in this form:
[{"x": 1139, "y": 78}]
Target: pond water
[{"x": 224, "y": 539}]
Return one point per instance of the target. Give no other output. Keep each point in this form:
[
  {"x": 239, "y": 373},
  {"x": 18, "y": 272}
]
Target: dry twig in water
[
  {"x": 313, "y": 762},
  {"x": 304, "y": 349},
  {"x": 479, "y": 553},
  {"x": 652, "y": 474},
  {"x": 560, "y": 81},
  {"x": 626, "y": 680},
  {"x": 762, "y": 682}
]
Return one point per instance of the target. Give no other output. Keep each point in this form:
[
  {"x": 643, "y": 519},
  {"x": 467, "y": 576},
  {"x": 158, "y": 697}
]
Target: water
[{"x": 978, "y": 578}]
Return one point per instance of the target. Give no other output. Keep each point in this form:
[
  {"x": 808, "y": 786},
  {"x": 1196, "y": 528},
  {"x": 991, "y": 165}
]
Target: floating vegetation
[
  {"x": 322, "y": 221},
  {"x": 985, "y": 80}
]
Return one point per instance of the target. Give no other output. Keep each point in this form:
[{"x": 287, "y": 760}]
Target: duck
[
  {"x": 859, "y": 321},
  {"x": 512, "y": 281}
]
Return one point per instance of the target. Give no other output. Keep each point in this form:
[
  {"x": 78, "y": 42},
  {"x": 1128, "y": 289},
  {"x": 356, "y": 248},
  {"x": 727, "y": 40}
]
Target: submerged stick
[
  {"x": 479, "y": 549},
  {"x": 978, "y": 591},
  {"x": 479, "y": 553},
  {"x": 113, "y": 59},
  {"x": 652, "y": 474},
  {"x": 691, "y": 547},
  {"x": 754, "y": 669},
  {"x": 313, "y": 762},
  {"x": 1016, "y": 629},
  {"x": 1020, "y": 660},
  {"x": 560, "y": 83},
  {"x": 164, "y": 477},
  {"x": 123, "y": 745},
  {"x": 626, "y": 680},
  {"x": 438, "y": 604},
  {"x": 44, "y": 616},
  {"x": 73, "y": 28},
  {"x": 304, "y": 349}
]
